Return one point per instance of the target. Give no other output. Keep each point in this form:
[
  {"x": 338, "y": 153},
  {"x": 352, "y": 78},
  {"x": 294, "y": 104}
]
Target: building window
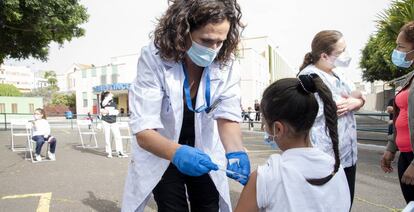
[
  {"x": 2, "y": 108},
  {"x": 83, "y": 73},
  {"x": 114, "y": 78},
  {"x": 114, "y": 74},
  {"x": 103, "y": 76},
  {"x": 14, "y": 107},
  {"x": 93, "y": 72},
  {"x": 85, "y": 99},
  {"x": 31, "y": 108}
]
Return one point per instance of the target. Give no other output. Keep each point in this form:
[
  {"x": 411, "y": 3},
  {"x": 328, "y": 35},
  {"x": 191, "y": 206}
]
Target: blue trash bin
[{"x": 68, "y": 114}]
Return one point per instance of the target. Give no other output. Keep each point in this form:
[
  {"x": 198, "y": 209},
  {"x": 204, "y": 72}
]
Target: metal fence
[
  {"x": 54, "y": 121},
  {"x": 370, "y": 122}
]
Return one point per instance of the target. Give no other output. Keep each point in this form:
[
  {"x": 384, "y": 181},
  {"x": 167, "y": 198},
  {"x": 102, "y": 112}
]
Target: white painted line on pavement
[{"x": 371, "y": 147}]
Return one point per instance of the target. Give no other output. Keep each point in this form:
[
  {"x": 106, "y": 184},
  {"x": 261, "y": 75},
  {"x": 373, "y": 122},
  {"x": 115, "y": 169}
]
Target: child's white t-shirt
[
  {"x": 282, "y": 186},
  {"x": 41, "y": 127}
]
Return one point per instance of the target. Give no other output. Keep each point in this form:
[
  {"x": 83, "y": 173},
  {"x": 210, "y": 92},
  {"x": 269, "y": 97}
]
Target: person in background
[
  {"x": 328, "y": 53},
  {"x": 250, "y": 115},
  {"x": 403, "y": 137},
  {"x": 108, "y": 116},
  {"x": 90, "y": 119},
  {"x": 301, "y": 178},
  {"x": 390, "y": 111},
  {"x": 41, "y": 135},
  {"x": 257, "y": 109},
  {"x": 185, "y": 111}
]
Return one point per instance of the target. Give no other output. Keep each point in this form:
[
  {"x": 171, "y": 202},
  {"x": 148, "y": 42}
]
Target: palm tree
[{"x": 376, "y": 56}]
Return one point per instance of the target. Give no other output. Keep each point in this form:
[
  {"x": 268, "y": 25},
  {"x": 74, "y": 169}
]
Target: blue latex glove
[
  {"x": 239, "y": 163},
  {"x": 192, "y": 161}
]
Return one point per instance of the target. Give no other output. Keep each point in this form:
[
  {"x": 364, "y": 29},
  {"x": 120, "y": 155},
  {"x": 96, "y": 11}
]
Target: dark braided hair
[{"x": 291, "y": 101}]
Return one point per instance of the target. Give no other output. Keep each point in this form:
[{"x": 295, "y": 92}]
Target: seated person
[{"x": 41, "y": 134}]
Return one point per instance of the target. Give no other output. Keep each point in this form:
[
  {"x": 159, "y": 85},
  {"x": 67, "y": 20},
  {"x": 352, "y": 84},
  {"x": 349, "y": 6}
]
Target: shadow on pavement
[
  {"x": 101, "y": 205},
  {"x": 95, "y": 151}
]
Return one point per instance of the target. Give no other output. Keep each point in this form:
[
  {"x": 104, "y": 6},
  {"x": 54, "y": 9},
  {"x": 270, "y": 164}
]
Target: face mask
[
  {"x": 201, "y": 55},
  {"x": 270, "y": 140},
  {"x": 398, "y": 58},
  {"x": 37, "y": 117},
  {"x": 343, "y": 60}
]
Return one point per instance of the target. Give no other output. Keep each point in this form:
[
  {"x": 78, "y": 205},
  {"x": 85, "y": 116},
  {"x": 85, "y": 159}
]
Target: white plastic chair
[
  {"x": 122, "y": 126},
  {"x": 18, "y": 128},
  {"x": 31, "y": 144},
  {"x": 83, "y": 125}
]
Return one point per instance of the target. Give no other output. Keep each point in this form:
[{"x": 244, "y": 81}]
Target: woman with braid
[
  {"x": 302, "y": 178},
  {"x": 328, "y": 53}
]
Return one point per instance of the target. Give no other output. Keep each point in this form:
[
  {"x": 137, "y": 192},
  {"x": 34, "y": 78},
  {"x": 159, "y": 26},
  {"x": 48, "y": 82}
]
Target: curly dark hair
[{"x": 185, "y": 16}]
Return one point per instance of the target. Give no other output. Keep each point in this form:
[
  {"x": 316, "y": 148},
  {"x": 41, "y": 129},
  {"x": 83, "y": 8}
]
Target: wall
[{"x": 22, "y": 103}]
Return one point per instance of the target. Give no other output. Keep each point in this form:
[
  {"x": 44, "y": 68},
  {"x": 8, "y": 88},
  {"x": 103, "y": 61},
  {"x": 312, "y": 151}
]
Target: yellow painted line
[
  {"x": 44, "y": 201},
  {"x": 378, "y": 205}
]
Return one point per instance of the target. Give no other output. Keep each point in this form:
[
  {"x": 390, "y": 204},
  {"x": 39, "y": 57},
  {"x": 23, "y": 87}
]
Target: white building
[
  {"x": 20, "y": 76},
  {"x": 261, "y": 64},
  {"x": 89, "y": 81}
]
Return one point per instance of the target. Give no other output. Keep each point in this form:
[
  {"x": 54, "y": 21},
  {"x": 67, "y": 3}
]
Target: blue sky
[{"x": 123, "y": 27}]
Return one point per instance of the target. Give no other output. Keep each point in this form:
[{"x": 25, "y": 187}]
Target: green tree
[
  {"x": 376, "y": 56},
  {"x": 9, "y": 90},
  {"x": 50, "y": 76},
  {"x": 27, "y": 27},
  {"x": 64, "y": 99}
]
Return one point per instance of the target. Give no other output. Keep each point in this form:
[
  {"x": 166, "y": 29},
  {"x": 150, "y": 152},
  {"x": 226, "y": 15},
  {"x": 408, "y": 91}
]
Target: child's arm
[{"x": 248, "y": 201}]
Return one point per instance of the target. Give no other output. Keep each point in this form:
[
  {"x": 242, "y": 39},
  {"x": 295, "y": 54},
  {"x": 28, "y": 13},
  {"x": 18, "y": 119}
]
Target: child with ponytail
[{"x": 302, "y": 178}]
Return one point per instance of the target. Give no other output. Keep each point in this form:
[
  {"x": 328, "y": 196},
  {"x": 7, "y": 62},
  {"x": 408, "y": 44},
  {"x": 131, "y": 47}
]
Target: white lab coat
[{"x": 156, "y": 102}]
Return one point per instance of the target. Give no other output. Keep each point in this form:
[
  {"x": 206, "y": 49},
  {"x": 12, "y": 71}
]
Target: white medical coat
[{"x": 156, "y": 102}]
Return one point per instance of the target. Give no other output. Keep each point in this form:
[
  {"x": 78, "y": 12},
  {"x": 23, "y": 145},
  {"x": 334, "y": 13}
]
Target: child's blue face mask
[
  {"x": 270, "y": 140},
  {"x": 201, "y": 55},
  {"x": 398, "y": 58}
]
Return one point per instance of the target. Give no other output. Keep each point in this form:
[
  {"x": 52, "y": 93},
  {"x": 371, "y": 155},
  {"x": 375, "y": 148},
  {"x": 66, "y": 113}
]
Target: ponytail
[
  {"x": 331, "y": 118},
  {"x": 307, "y": 61},
  {"x": 312, "y": 83}
]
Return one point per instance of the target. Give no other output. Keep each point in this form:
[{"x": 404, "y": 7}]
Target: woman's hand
[
  {"x": 386, "y": 161},
  {"x": 408, "y": 176},
  {"x": 349, "y": 104}
]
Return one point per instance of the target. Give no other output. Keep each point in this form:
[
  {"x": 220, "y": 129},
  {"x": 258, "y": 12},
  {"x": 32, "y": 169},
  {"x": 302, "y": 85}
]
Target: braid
[
  {"x": 331, "y": 119},
  {"x": 313, "y": 83}
]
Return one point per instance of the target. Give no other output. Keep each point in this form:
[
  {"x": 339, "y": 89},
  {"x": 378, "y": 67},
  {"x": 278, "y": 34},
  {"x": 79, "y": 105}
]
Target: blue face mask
[
  {"x": 201, "y": 55},
  {"x": 398, "y": 58},
  {"x": 270, "y": 140}
]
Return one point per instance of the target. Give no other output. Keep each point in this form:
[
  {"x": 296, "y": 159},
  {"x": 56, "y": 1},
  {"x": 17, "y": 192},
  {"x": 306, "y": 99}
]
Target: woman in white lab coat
[{"x": 185, "y": 111}]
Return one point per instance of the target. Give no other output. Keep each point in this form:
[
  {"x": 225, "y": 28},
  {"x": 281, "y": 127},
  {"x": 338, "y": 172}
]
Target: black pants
[
  {"x": 170, "y": 192},
  {"x": 350, "y": 173},
  {"x": 403, "y": 162}
]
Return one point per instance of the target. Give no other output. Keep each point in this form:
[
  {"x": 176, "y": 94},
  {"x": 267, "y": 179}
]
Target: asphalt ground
[{"x": 85, "y": 180}]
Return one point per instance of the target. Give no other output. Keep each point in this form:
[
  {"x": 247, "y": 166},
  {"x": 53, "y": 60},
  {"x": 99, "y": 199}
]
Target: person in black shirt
[
  {"x": 257, "y": 109},
  {"x": 108, "y": 116}
]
